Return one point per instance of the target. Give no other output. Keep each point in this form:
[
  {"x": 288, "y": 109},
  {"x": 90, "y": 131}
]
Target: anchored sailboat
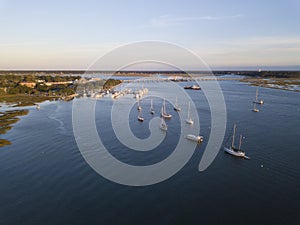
[
  {"x": 232, "y": 150},
  {"x": 189, "y": 119},
  {"x": 254, "y": 108},
  {"x": 140, "y": 117},
  {"x": 151, "y": 108},
  {"x": 257, "y": 101},
  {"x": 163, "y": 126},
  {"x": 164, "y": 113},
  {"x": 176, "y": 107},
  {"x": 139, "y": 107}
]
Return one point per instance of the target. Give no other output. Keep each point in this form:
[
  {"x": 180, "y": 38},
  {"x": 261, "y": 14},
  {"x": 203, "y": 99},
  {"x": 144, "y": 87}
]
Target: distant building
[
  {"x": 40, "y": 81},
  {"x": 28, "y": 84},
  {"x": 61, "y": 82}
]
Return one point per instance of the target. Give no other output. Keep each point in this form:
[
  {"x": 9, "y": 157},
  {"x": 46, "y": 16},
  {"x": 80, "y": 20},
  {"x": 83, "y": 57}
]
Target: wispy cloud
[
  {"x": 171, "y": 20},
  {"x": 252, "y": 51},
  {"x": 262, "y": 41}
]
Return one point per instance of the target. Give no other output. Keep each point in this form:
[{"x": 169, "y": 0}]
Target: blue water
[{"x": 45, "y": 180}]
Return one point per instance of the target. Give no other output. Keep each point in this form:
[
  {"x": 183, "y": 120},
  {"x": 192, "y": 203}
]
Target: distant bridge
[{"x": 184, "y": 79}]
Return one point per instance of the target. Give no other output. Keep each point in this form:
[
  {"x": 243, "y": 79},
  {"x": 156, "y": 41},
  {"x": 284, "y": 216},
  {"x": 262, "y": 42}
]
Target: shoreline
[{"x": 284, "y": 84}]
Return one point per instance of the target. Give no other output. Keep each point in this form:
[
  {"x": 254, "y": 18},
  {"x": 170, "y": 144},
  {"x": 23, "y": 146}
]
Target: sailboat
[
  {"x": 140, "y": 117},
  {"x": 189, "y": 119},
  {"x": 139, "y": 107},
  {"x": 257, "y": 101},
  {"x": 151, "y": 108},
  {"x": 232, "y": 150},
  {"x": 254, "y": 108},
  {"x": 176, "y": 107},
  {"x": 163, "y": 126},
  {"x": 164, "y": 113}
]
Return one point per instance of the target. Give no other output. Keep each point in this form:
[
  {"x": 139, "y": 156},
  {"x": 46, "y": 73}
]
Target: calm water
[{"x": 45, "y": 180}]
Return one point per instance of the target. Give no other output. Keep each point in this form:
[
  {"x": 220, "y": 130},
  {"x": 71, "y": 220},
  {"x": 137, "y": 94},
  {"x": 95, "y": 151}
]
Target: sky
[{"x": 226, "y": 34}]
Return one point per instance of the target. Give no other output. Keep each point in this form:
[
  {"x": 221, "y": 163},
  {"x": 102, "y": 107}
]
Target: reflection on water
[{"x": 7, "y": 119}]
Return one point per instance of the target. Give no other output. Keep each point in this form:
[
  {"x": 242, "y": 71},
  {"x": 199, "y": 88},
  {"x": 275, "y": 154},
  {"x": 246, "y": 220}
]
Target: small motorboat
[{"x": 195, "y": 138}]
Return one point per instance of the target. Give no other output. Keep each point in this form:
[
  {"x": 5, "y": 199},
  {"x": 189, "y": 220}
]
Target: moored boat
[
  {"x": 258, "y": 101},
  {"x": 176, "y": 107},
  {"x": 164, "y": 113},
  {"x": 232, "y": 150},
  {"x": 163, "y": 126},
  {"x": 196, "y": 138},
  {"x": 189, "y": 120}
]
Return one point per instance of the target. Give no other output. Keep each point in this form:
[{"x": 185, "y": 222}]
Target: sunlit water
[{"x": 45, "y": 180}]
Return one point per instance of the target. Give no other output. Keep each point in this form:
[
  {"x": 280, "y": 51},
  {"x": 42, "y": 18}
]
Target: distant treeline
[
  {"x": 110, "y": 83},
  {"x": 14, "y": 84},
  {"x": 9, "y": 80},
  {"x": 266, "y": 74}
]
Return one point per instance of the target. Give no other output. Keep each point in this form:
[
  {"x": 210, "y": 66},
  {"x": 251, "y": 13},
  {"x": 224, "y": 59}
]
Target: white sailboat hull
[
  {"x": 189, "y": 121},
  {"x": 167, "y": 116},
  {"x": 177, "y": 109},
  {"x": 235, "y": 153}
]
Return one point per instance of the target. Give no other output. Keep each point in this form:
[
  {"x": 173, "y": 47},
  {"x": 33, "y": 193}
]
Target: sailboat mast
[
  {"x": 151, "y": 104},
  {"x": 189, "y": 110},
  {"x": 240, "y": 142},
  {"x": 234, "y": 127},
  {"x": 256, "y": 95}
]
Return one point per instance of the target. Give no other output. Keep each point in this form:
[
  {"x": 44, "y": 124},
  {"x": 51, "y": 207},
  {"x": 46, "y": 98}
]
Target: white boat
[
  {"x": 164, "y": 113},
  {"x": 140, "y": 118},
  {"x": 139, "y": 107},
  {"x": 254, "y": 108},
  {"x": 38, "y": 106},
  {"x": 189, "y": 119},
  {"x": 176, "y": 107},
  {"x": 232, "y": 150},
  {"x": 194, "y": 138},
  {"x": 257, "y": 101},
  {"x": 163, "y": 126},
  {"x": 195, "y": 87},
  {"x": 151, "y": 108}
]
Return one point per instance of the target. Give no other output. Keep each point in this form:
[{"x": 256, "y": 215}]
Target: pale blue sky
[{"x": 225, "y": 33}]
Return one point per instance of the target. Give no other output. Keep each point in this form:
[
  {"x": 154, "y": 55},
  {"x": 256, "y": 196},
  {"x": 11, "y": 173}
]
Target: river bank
[
  {"x": 287, "y": 84},
  {"x": 7, "y": 119}
]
